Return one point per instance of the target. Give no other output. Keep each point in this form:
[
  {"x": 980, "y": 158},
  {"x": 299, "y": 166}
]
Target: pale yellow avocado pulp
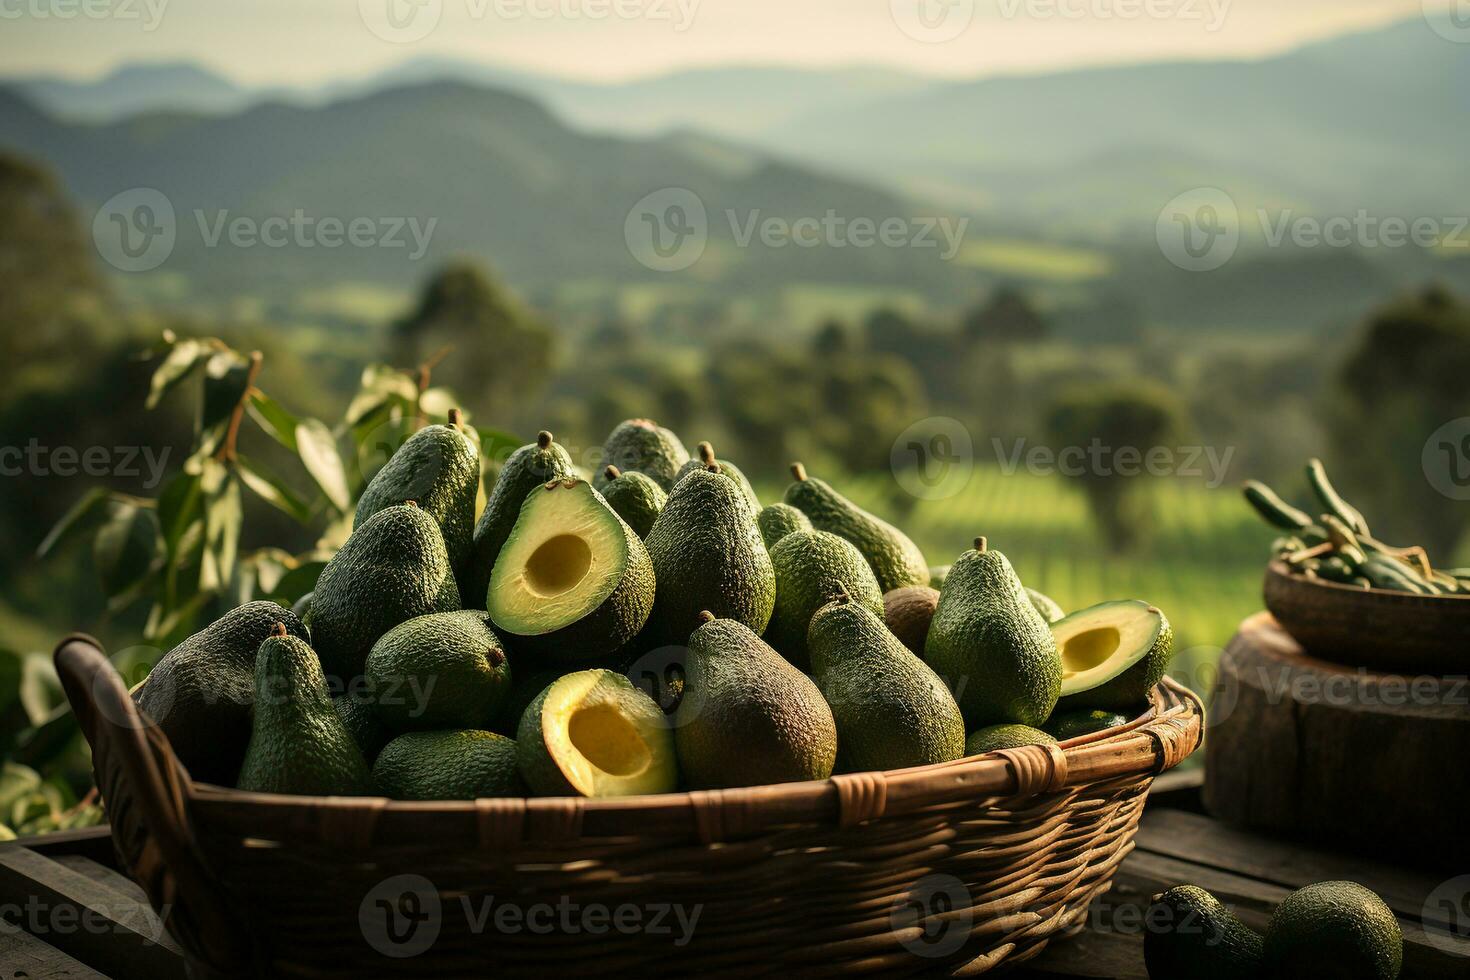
[
  {"x": 1101, "y": 642},
  {"x": 558, "y": 566},
  {"x": 606, "y": 737}
]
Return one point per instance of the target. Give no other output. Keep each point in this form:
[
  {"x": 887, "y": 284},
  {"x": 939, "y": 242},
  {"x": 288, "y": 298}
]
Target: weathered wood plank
[
  {"x": 91, "y": 922},
  {"x": 85, "y": 866},
  {"x": 23, "y": 955},
  {"x": 92, "y": 842}
]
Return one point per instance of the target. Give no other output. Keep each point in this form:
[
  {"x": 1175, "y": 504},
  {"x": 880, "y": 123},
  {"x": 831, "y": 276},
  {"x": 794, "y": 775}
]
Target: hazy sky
[{"x": 291, "y": 41}]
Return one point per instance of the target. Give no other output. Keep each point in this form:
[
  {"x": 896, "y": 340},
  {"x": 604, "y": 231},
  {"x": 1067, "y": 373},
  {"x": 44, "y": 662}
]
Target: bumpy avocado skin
[
  {"x": 1129, "y": 691},
  {"x": 908, "y": 611},
  {"x": 448, "y": 765},
  {"x": 637, "y": 499},
  {"x": 813, "y": 568},
  {"x": 644, "y": 446},
  {"x": 1083, "y": 721},
  {"x": 439, "y": 671},
  {"x": 778, "y": 520},
  {"x": 747, "y": 717},
  {"x": 298, "y": 743},
  {"x": 439, "y": 468},
  {"x": 529, "y": 467},
  {"x": 1050, "y": 609},
  {"x": 1007, "y": 736},
  {"x": 991, "y": 645},
  {"x": 1333, "y": 929},
  {"x": 708, "y": 554},
  {"x": 730, "y": 470},
  {"x": 202, "y": 691},
  {"x": 361, "y": 721},
  {"x": 895, "y": 559},
  {"x": 1192, "y": 935},
  {"x": 392, "y": 568},
  {"x": 890, "y": 708}
]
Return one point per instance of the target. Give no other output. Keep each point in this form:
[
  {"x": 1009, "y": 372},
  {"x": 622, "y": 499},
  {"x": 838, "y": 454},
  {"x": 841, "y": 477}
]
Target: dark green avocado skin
[
  {"x": 813, "y": 568},
  {"x": 707, "y": 554},
  {"x": 895, "y": 559},
  {"x": 392, "y": 568},
  {"x": 529, "y": 467},
  {"x": 448, "y": 765},
  {"x": 439, "y": 469},
  {"x": 1192, "y": 936},
  {"x": 201, "y": 693},
  {"x": 637, "y": 499},
  {"x": 644, "y": 446}
]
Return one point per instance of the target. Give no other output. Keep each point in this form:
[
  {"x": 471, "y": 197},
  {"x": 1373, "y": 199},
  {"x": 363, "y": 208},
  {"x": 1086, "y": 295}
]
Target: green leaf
[
  {"x": 16, "y": 783},
  {"x": 72, "y": 520},
  {"x": 298, "y": 581},
  {"x": 223, "y": 517},
  {"x": 127, "y": 548},
  {"x": 178, "y": 365},
  {"x": 435, "y": 403},
  {"x": 278, "y": 423},
  {"x": 40, "y": 688},
  {"x": 226, "y": 380},
  {"x": 270, "y": 489},
  {"x": 49, "y": 740},
  {"x": 11, "y": 671},
  {"x": 318, "y": 450},
  {"x": 379, "y": 384},
  {"x": 178, "y": 507}
]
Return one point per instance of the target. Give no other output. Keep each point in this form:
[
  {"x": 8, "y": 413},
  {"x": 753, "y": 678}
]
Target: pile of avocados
[
  {"x": 646, "y": 629},
  {"x": 1336, "y": 929}
]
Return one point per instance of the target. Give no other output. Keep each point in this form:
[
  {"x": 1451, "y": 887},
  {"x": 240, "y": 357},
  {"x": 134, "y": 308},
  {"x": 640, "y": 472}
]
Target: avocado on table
[
  {"x": 439, "y": 671},
  {"x": 573, "y": 582},
  {"x": 705, "y": 458},
  {"x": 531, "y": 466},
  {"x": 438, "y": 467},
  {"x": 896, "y": 560},
  {"x": 644, "y": 446},
  {"x": 708, "y": 554},
  {"x": 1336, "y": 929},
  {"x": 1191, "y": 935},
  {"x": 1112, "y": 654},
  {"x": 813, "y": 568},
  {"x": 636, "y": 498},
  {"x": 778, "y": 520},
  {"x": 202, "y": 691},
  {"x": 448, "y": 765},
  {"x": 298, "y": 743},
  {"x": 592, "y": 733},
  {"x": 991, "y": 646},
  {"x": 891, "y": 710},
  {"x": 392, "y": 568},
  {"x": 747, "y": 716}
]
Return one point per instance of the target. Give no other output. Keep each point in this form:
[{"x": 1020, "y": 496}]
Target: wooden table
[{"x": 72, "y": 874}]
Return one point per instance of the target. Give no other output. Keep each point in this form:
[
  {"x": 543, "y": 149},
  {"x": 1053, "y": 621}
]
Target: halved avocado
[
  {"x": 1113, "y": 654},
  {"x": 573, "y": 581},
  {"x": 593, "y": 733}
]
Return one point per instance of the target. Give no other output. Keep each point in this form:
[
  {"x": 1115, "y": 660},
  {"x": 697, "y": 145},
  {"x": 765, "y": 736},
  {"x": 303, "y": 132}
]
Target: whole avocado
[
  {"x": 1192, "y": 935},
  {"x": 392, "y": 568},
  {"x": 895, "y": 559},
  {"x": 644, "y": 446},
  {"x": 529, "y": 467},
  {"x": 637, "y": 499},
  {"x": 438, "y": 468},
  {"x": 202, "y": 691},
  {"x": 707, "y": 554},
  {"x": 990, "y": 644},
  {"x": 813, "y": 568},
  {"x": 778, "y": 520},
  {"x": 1333, "y": 929},
  {"x": 448, "y": 765},
  {"x": 705, "y": 459},
  {"x": 439, "y": 671}
]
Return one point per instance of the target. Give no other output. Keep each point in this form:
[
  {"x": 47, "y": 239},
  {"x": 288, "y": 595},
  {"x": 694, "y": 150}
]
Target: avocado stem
[
  {"x": 410, "y": 503},
  {"x": 278, "y": 630},
  {"x": 705, "y": 616},
  {"x": 454, "y": 416},
  {"x": 799, "y": 472},
  {"x": 543, "y": 439},
  {"x": 981, "y": 545},
  {"x": 706, "y": 453},
  {"x": 612, "y": 472},
  {"x": 712, "y": 467}
]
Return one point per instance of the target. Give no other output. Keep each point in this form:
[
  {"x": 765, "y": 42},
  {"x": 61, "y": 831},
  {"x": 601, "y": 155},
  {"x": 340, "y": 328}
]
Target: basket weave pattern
[{"x": 950, "y": 869}]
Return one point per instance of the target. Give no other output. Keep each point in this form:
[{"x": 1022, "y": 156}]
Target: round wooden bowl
[{"x": 1397, "y": 632}]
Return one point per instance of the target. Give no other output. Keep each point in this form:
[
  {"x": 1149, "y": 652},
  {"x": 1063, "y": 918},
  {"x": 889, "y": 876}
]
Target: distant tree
[
  {"x": 1007, "y": 317},
  {"x": 500, "y": 353},
  {"x": 832, "y": 339},
  {"x": 1407, "y": 375},
  {"x": 1094, "y": 423}
]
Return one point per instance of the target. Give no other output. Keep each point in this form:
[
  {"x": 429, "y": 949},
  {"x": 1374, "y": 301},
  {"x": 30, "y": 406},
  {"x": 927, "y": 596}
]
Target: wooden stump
[{"x": 1378, "y": 762}]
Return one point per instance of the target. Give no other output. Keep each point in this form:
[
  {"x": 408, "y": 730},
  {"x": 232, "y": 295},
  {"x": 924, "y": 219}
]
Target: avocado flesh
[
  {"x": 592, "y": 733},
  {"x": 531, "y": 466},
  {"x": 1112, "y": 654},
  {"x": 573, "y": 579}
]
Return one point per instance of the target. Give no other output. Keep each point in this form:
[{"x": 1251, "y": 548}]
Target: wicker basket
[{"x": 951, "y": 869}]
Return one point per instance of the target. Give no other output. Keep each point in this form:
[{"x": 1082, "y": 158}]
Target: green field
[{"x": 1202, "y": 565}]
